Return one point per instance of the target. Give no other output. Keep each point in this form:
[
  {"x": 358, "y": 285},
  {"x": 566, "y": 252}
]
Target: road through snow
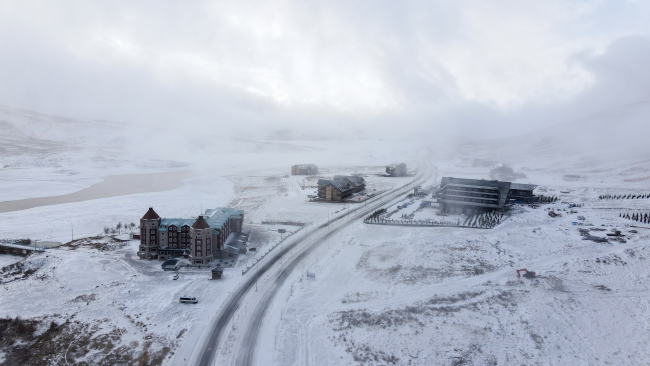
[{"x": 245, "y": 350}]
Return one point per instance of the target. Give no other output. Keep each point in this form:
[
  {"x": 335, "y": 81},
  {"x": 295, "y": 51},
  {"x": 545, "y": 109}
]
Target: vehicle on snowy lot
[
  {"x": 175, "y": 277},
  {"x": 188, "y": 300},
  {"x": 528, "y": 274}
]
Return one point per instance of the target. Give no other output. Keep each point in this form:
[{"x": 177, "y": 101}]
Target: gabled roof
[
  {"x": 165, "y": 223},
  {"x": 200, "y": 223},
  {"x": 356, "y": 181},
  {"x": 150, "y": 215},
  {"x": 341, "y": 185},
  {"x": 395, "y": 165},
  {"x": 341, "y": 182}
]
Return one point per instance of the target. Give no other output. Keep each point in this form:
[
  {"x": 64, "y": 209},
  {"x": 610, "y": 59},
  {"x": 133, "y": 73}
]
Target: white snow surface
[
  {"x": 382, "y": 294},
  {"x": 438, "y": 296},
  {"x": 135, "y": 297}
]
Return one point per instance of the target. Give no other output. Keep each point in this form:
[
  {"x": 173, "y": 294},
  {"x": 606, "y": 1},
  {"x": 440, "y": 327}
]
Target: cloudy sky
[{"x": 285, "y": 68}]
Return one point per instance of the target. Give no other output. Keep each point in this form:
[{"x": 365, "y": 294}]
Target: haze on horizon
[{"x": 303, "y": 70}]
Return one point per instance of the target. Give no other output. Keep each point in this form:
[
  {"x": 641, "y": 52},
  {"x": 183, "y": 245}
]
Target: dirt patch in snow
[
  {"x": 48, "y": 341},
  {"x": 101, "y": 243},
  {"x": 21, "y": 270}
]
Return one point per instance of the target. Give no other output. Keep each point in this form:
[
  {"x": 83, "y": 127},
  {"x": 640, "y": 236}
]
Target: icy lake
[{"x": 111, "y": 186}]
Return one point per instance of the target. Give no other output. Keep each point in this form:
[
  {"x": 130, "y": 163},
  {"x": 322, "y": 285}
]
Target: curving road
[{"x": 246, "y": 350}]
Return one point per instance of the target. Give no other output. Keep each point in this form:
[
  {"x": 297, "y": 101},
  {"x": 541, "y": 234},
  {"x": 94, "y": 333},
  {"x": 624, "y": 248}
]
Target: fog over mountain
[{"x": 307, "y": 70}]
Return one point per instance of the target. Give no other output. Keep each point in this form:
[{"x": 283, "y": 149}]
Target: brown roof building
[{"x": 201, "y": 239}]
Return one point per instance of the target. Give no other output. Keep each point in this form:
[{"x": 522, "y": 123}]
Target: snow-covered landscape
[
  {"x": 381, "y": 294},
  {"x": 337, "y": 183}
]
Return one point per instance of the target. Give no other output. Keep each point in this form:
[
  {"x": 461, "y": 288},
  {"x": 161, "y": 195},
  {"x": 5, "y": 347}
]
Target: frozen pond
[{"x": 111, "y": 186}]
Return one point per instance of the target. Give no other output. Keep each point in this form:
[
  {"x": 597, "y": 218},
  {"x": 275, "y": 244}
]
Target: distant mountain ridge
[{"x": 612, "y": 133}]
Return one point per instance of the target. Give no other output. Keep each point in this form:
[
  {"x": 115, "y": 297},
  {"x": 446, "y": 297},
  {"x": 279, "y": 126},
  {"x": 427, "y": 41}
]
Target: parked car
[
  {"x": 188, "y": 300},
  {"x": 175, "y": 277}
]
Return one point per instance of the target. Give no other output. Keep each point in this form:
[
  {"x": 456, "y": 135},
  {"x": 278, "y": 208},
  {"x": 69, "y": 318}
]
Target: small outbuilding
[
  {"x": 170, "y": 264},
  {"x": 217, "y": 273}
]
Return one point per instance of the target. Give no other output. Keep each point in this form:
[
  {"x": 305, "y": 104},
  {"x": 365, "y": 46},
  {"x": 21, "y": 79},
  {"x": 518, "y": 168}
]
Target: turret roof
[
  {"x": 200, "y": 224},
  {"x": 150, "y": 215}
]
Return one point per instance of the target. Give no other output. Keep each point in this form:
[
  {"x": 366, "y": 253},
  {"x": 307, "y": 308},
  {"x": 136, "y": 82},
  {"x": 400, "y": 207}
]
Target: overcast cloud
[{"x": 281, "y": 68}]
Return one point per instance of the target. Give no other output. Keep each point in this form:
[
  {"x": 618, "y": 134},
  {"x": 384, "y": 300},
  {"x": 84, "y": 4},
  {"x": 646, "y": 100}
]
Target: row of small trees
[
  {"x": 640, "y": 217},
  {"x": 119, "y": 228},
  {"x": 485, "y": 220},
  {"x": 547, "y": 199},
  {"x": 373, "y": 217},
  {"x": 623, "y": 197}
]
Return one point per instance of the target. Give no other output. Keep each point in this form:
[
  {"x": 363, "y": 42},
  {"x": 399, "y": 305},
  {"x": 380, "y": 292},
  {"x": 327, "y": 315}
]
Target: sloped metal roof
[
  {"x": 217, "y": 217},
  {"x": 353, "y": 179}
]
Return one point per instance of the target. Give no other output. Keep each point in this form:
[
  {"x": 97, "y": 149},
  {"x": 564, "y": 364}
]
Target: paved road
[{"x": 254, "y": 323}]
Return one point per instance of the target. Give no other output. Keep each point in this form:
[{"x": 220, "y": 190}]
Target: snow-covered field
[
  {"x": 451, "y": 296},
  {"x": 382, "y": 294},
  {"x": 92, "y": 300}
]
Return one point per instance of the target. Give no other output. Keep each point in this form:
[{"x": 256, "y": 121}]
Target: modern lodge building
[
  {"x": 471, "y": 196},
  {"x": 201, "y": 240}
]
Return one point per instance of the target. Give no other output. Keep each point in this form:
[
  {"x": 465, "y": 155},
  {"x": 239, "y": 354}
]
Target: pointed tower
[
  {"x": 201, "y": 247},
  {"x": 149, "y": 224}
]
